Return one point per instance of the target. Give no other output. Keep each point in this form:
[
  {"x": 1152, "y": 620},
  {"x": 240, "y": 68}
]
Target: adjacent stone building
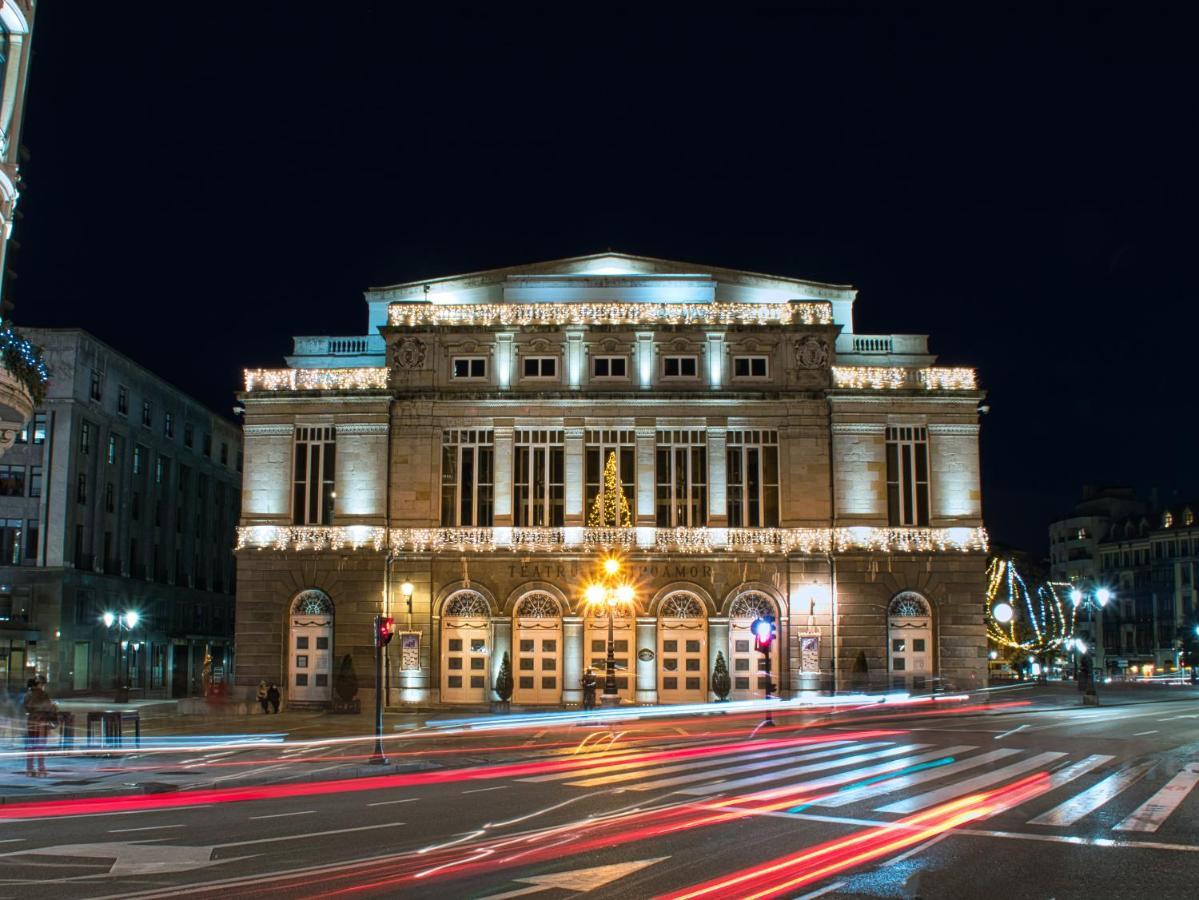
[
  {"x": 120, "y": 496},
  {"x": 773, "y": 461}
]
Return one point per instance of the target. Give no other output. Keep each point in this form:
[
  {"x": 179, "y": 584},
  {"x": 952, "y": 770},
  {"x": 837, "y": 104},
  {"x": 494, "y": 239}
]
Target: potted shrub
[
  {"x": 503, "y": 686},
  {"x": 345, "y": 688},
  {"x": 860, "y": 675},
  {"x": 721, "y": 683}
]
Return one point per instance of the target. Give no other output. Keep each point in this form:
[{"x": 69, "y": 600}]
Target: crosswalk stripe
[
  {"x": 771, "y": 758},
  {"x": 1091, "y": 799},
  {"x": 922, "y": 801},
  {"x": 624, "y": 759},
  {"x": 1150, "y": 815},
  {"x": 830, "y": 780},
  {"x": 901, "y": 782}
]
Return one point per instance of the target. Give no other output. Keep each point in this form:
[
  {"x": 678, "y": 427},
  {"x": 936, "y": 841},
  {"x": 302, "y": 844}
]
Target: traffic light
[
  {"x": 384, "y": 629},
  {"x": 764, "y": 633}
]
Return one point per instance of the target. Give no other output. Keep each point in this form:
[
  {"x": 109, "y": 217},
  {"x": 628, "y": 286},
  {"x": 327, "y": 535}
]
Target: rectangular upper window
[
  {"x": 907, "y": 475},
  {"x": 122, "y": 400},
  {"x": 679, "y": 367},
  {"x": 609, "y": 367},
  {"x": 147, "y": 413},
  {"x": 468, "y": 367},
  {"x": 750, "y": 367},
  {"x": 168, "y": 425},
  {"x": 97, "y": 386},
  {"x": 539, "y": 367}
]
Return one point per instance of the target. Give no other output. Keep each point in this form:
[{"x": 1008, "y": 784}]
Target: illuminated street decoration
[
  {"x": 1033, "y": 620},
  {"x": 893, "y": 378},
  {"x": 351, "y": 379},
  {"x": 416, "y": 314},
  {"x": 756, "y": 541}
]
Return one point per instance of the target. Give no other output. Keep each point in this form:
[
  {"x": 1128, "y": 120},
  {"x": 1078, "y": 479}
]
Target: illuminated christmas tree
[{"x": 611, "y": 507}]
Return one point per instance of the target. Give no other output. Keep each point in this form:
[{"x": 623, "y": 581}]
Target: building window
[
  {"x": 753, "y": 479},
  {"x": 224, "y": 454},
  {"x": 138, "y": 452},
  {"x": 601, "y": 443},
  {"x": 135, "y": 506},
  {"x": 168, "y": 425},
  {"x": 85, "y": 437},
  {"x": 111, "y": 455},
  {"x": 12, "y": 481},
  {"x": 35, "y": 481},
  {"x": 96, "y": 392},
  {"x": 465, "y": 367},
  {"x": 467, "y": 479},
  {"x": 81, "y": 488},
  {"x": 313, "y": 477},
  {"x": 539, "y": 479},
  {"x": 10, "y": 542},
  {"x": 31, "y": 536},
  {"x": 109, "y": 498},
  {"x": 189, "y": 435},
  {"x": 147, "y": 413},
  {"x": 750, "y": 367},
  {"x": 682, "y": 479},
  {"x": 907, "y": 476},
  {"x": 39, "y": 430},
  {"x": 609, "y": 367},
  {"x": 207, "y": 444},
  {"x": 122, "y": 400},
  {"x": 679, "y": 366},
  {"x": 162, "y": 469},
  {"x": 539, "y": 367}
]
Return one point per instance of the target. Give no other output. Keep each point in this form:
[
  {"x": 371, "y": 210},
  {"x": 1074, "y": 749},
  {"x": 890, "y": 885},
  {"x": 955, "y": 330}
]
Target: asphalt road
[{"x": 958, "y": 801}]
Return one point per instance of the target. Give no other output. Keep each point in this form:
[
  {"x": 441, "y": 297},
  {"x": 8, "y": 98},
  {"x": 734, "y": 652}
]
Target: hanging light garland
[
  {"x": 1037, "y": 621},
  {"x": 24, "y": 362}
]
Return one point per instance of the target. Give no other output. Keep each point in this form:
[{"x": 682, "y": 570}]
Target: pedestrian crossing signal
[
  {"x": 384, "y": 630},
  {"x": 765, "y": 632}
]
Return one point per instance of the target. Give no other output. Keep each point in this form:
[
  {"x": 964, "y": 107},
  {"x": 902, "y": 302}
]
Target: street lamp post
[
  {"x": 1097, "y": 600},
  {"x": 125, "y": 621},
  {"x": 609, "y": 595}
]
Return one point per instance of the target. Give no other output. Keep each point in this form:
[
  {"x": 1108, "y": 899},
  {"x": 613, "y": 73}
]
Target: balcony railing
[
  {"x": 797, "y": 313},
  {"x": 756, "y": 541}
]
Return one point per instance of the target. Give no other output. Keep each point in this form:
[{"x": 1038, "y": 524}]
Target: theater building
[{"x": 444, "y": 468}]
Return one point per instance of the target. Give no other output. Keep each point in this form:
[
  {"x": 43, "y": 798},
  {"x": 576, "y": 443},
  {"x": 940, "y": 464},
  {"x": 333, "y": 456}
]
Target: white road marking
[
  {"x": 824, "y": 890},
  {"x": 914, "y": 804},
  {"x": 852, "y": 795},
  {"x": 1143, "y": 733},
  {"x": 1000, "y": 737},
  {"x": 498, "y": 787},
  {"x": 143, "y": 828},
  {"x": 1150, "y": 815},
  {"x": 393, "y": 802},
  {"x": 303, "y": 812},
  {"x": 1091, "y": 799}
]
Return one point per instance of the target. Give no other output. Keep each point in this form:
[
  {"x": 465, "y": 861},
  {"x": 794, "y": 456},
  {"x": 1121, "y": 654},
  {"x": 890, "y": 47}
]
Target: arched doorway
[
  {"x": 465, "y": 648},
  {"x": 682, "y": 649},
  {"x": 909, "y": 640},
  {"x": 538, "y": 639},
  {"x": 745, "y": 663},
  {"x": 310, "y": 648}
]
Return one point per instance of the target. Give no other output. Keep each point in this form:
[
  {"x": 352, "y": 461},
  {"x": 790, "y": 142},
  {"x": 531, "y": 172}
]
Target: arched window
[
  {"x": 538, "y": 605},
  {"x": 467, "y": 604},
  {"x": 752, "y": 605},
  {"x": 908, "y": 605},
  {"x": 312, "y": 603},
  {"x": 681, "y": 605}
]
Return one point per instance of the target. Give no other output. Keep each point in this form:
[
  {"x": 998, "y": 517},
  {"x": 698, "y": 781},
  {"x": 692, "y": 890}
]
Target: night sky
[{"x": 205, "y": 180}]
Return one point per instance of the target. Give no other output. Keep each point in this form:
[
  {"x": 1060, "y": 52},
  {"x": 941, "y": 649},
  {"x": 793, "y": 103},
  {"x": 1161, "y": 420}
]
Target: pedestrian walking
[
  {"x": 40, "y": 716},
  {"x": 590, "y": 683},
  {"x": 272, "y": 696},
  {"x": 262, "y": 696}
]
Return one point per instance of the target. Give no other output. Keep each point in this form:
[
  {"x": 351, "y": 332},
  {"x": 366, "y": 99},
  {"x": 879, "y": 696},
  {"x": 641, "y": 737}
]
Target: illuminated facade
[{"x": 772, "y": 459}]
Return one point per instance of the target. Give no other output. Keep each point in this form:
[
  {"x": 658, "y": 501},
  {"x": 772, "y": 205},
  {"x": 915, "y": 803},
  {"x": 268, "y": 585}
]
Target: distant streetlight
[
  {"x": 604, "y": 594},
  {"x": 126, "y": 621},
  {"x": 1002, "y": 612},
  {"x": 1092, "y": 601}
]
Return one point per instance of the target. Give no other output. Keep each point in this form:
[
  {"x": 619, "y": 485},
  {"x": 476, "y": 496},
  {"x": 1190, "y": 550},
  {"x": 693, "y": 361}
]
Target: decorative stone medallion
[
  {"x": 811, "y": 353},
  {"x": 410, "y": 353}
]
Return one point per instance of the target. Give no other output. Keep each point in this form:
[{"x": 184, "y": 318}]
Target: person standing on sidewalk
[
  {"x": 272, "y": 697},
  {"x": 40, "y": 715},
  {"x": 262, "y": 692}
]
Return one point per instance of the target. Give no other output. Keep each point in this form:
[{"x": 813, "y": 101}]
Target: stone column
[
  {"x": 576, "y": 515},
  {"x": 502, "y": 436},
  {"x": 717, "y": 473},
  {"x": 572, "y": 660},
  {"x": 647, "y": 437},
  {"x": 715, "y": 360},
  {"x": 647, "y": 670},
  {"x": 718, "y": 642},
  {"x": 501, "y": 643}
]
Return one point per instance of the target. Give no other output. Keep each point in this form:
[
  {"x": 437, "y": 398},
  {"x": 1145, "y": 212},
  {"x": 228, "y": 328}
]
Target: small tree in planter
[
  {"x": 345, "y": 686},
  {"x": 721, "y": 683},
  {"x": 861, "y": 672},
  {"x": 503, "y": 686}
]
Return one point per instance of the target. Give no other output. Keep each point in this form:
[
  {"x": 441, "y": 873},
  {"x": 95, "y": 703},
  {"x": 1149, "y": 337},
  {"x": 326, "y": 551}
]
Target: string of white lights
[{"x": 796, "y": 313}]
